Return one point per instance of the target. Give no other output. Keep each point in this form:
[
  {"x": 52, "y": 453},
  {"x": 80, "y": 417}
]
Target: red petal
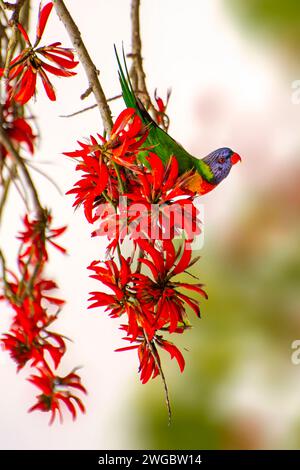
[
  {"x": 59, "y": 72},
  {"x": 79, "y": 403},
  {"x": 191, "y": 303},
  {"x": 26, "y": 87},
  {"x": 170, "y": 254},
  {"x": 69, "y": 405},
  {"x": 155, "y": 255},
  {"x": 124, "y": 272},
  {"x": 24, "y": 34},
  {"x": 127, "y": 348},
  {"x": 122, "y": 120},
  {"x": 183, "y": 262},
  {"x": 194, "y": 287},
  {"x": 47, "y": 85},
  {"x": 59, "y": 50},
  {"x": 68, "y": 64},
  {"x": 158, "y": 170},
  {"x": 174, "y": 352},
  {"x": 58, "y": 247},
  {"x": 42, "y": 20}
]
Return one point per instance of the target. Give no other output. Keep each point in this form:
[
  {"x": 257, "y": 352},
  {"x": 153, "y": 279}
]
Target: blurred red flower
[
  {"x": 17, "y": 128},
  {"x": 55, "y": 391},
  {"x": 24, "y": 68},
  {"x": 120, "y": 281},
  {"x": 36, "y": 234}
]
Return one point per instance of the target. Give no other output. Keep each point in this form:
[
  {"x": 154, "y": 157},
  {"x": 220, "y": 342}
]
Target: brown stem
[
  {"x": 86, "y": 61},
  {"x": 3, "y": 276},
  {"x": 6, "y": 186},
  {"x": 14, "y": 34},
  {"x": 20, "y": 163},
  {"x": 7, "y": 6},
  {"x": 154, "y": 353},
  {"x": 137, "y": 71}
]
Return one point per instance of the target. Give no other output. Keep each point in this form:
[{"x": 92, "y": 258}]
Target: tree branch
[
  {"x": 87, "y": 63},
  {"x": 14, "y": 36},
  {"x": 20, "y": 163},
  {"x": 137, "y": 71}
]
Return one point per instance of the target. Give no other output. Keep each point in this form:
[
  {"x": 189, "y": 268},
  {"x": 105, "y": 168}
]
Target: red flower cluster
[
  {"x": 155, "y": 203},
  {"x": 144, "y": 289},
  {"x": 25, "y": 67},
  {"x": 30, "y": 339},
  {"x": 102, "y": 179},
  {"x": 150, "y": 303}
]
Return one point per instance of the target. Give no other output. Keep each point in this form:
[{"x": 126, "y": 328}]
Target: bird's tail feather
[
  {"x": 129, "y": 97},
  {"x": 127, "y": 90}
]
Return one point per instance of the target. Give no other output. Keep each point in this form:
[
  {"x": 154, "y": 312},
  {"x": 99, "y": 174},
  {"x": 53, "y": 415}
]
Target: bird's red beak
[{"x": 235, "y": 158}]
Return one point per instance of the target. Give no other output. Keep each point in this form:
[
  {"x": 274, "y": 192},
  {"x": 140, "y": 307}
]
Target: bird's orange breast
[{"x": 199, "y": 185}]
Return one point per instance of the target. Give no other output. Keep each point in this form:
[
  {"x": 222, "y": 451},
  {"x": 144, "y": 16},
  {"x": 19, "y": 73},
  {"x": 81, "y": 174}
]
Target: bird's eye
[{"x": 221, "y": 159}]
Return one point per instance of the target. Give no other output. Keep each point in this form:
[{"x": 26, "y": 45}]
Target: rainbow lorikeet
[{"x": 210, "y": 170}]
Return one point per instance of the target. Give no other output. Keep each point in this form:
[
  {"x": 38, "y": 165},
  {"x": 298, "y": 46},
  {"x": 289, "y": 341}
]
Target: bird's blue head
[{"x": 220, "y": 162}]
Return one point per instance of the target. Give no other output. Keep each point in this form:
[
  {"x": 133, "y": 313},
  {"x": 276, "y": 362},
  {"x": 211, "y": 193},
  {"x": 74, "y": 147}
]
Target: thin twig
[
  {"x": 161, "y": 372},
  {"x": 91, "y": 72},
  {"x": 13, "y": 175},
  {"x": 3, "y": 277},
  {"x": 93, "y": 106},
  {"x": 7, "y": 6},
  {"x": 41, "y": 172},
  {"x": 5, "y": 185},
  {"x": 137, "y": 71}
]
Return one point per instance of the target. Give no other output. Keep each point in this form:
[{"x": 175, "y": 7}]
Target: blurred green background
[{"x": 240, "y": 389}]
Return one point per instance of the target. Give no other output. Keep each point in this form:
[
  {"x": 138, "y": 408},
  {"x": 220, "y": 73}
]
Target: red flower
[
  {"x": 97, "y": 161},
  {"x": 37, "y": 232},
  {"x": 55, "y": 391},
  {"x": 27, "y": 65},
  {"x": 162, "y": 292},
  {"x": 154, "y": 207},
  {"x": 32, "y": 345},
  {"x": 29, "y": 337},
  {"x": 94, "y": 180},
  {"x": 160, "y": 207},
  {"x": 122, "y": 301},
  {"x": 148, "y": 355}
]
